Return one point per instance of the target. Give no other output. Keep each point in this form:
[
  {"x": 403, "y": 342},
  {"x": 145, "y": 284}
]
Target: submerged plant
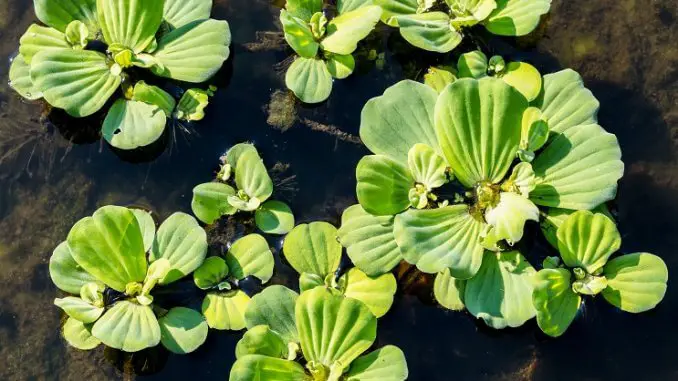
[
  {"x": 332, "y": 332},
  {"x": 65, "y": 63},
  {"x": 586, "y": 241},
  {"x": 440, "y": 26},
  {"x": 253, "y": 188},
  {"x": 224, "y": 305},
  {"x": 114, "y": 260},
  {"x": 314, "y": 252},
  {"x": 325, "y": 45},
  {"x": 444, "y": 189}
]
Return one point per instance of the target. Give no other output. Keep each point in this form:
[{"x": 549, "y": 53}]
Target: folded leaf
[
  {"x": 375, "y": 292},
  {"x": 635, "y": 282},
  {"x": 79, "y": 309},
  {"x": 567, "y": 102},
  {"x": 274, "y": 217},
  {"x": 587, "y": 240},
  {"x": 508, "y": 218},
  {"x": 554, "y": 300},
  {"x": 225, "y": 310},
  {"x": 210, "y": 273},
  {"x": 252, "y": 177},
  {"x": 472, "y": 65},
  {"x": 427, "y": 167},
  {"x": 210, "y": 201},
  {"x": 193, "y": 52},
  {"x": 250, "y": 256},
  {"x": 298, "y": 35},
  {"x": 524, "y": 77},
  {"x": 309, "y": 79},
  {"x": 346, "y": 30},
  {"x": 65, "y": 272},
  {"x": 132, "y": 124},
  {"x": 79, "y": 335},
  {"x": 261, "y": 340},
  {"x": 313, "y": 248},
  {"x": 130, "y": 23},
  {"x": 340, "y": 66},
  {"x": 154, "y": 95},
  {"x": 182, "y": 330},
  {"x": 383, "y": 185},
  {"x": 516, "y": 17},
  {"x": 274, "y": 307},
  {"x": 59, "y": 13},
  {"x": 429, "y": 31},
  {"x": 178, "y": 13},
  {"x": 439, "y": 77},
  {"x": 192, "y": 105},
  {"x": 449, "y": 291},
  {"x": 128, "y": 326},
  {"x": 147, "y": 226},
  {"x": 78, "y": 81},
  {"x": 258, "y": 367},
  {"x": 385, "y": 364}
]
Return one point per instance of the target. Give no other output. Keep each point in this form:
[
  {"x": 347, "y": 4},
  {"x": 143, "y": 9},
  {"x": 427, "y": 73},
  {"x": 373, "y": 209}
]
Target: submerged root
[
  {"x": 267, "y": 41},
  {"x": 331, "y": 130},
  {"x": 281, "y": 110}
]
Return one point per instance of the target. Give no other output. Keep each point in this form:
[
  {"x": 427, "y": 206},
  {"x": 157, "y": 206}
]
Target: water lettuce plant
[
  {"x": 89, "y": 50},
  {"x": 314, "y": 252},
  {"x": 586, "y": 241},
  {"x": 440, "y": 26},
  {"x": 332, "y": 331},
  {"x": 456, "y": 175},
  {"x": 325, "y": 45},
  {"x": 224, "y": 305},
  {"x": 112, "y": 262},
  {"x": 243, "y": 167}
]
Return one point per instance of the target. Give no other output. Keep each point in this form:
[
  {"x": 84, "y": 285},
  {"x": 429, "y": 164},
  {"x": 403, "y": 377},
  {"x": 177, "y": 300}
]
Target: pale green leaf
[
  {"x": 369, "y": 241},
  {"x": 274, "y": 307},
  {"x": 516, "y": 17},
  {"x": 309, "y": 79},
  {"x": 429, "y": 31},
  {"x": 587, "y": 240},
  {"x": 524, "y": 77},
  {"x": 225, "y": 310},
  {"x": 252, "y": 177},
  {"x": 132, "y": 124},
  {"x": 310, "y": 281},
  {"x": 274, "y": 217},
  {"x": 394, "y": 8},
  {"x": 79, "y": 335},
  {"x": 182, "y": 330},
  {"x": 128, "y": 326},
  {"x": 427, "y": 167},
  {"x": 313, "y": 248},
  {"x": 521, "y": 181},
  {"x": 501, "y": 292},
  {"x": 375, "y": 292},
  {"x": 345, "y": 6},
  {"x": 79, "y": 309},
  {"x": 555, "y": 302},
  {"x": 130, "y": 23},
  {"x": 554, "y": 217},
  {"x": 59, "y": 13},
  {"x": 235, "y": 152},
  {"x": 340, "y": 66},
  {"x": 193, "y": 52},
  {"x": 636, "y": 282},
  {"x": 212, "y": 272},
  {"x": 449, "y": 291},
  {"x": 346, "y": 30},
  {"x": 77, "y": 34},
  {"x": 78, "y": 81},
  {"x": 472, "y": 65},
  {"x": 437, "y": 239},
  {"x": 509, "y": 216},
  {"x": 439, "y": 77},
  {"x": 210, "y": 201},
  {"x": 65, "y": 272},
  {"x": 385, "y": 364},
  {"x": 147, "y": 226},
  {"x": 567, "y": 102},
  {"x": 39, "y": 38},
  {"x": 154, "y": 95},
  {"x": 304, "y": 9},
  {"x": 20, "y": 79},
  {"x": 191, "y": 106},
  {"x": 383, "y": 185},
  {"x": 261, "y": 340},
  {"x": 259, "y": 368},
  {"x": 178, "y": 13},
  {"x": 298, "y": 35},
  {"x": 250, "y": 256}
]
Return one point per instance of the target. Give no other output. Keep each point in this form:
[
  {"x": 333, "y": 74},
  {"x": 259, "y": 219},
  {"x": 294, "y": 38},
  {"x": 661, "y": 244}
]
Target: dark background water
[{"x": 626, "y": 50}]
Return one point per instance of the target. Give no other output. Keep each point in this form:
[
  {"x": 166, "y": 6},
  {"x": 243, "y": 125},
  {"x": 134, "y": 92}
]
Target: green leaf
[
  {"x": 225, "y": 310},
  {"x": 77, "y": 34},
  {"x": 274, "y": 217},
  {"x": 212, "y": 271},
  {"x": 369, "y": 241},
  {"x": 65, "y": 272},
  {"x": 509, "y": 216},
  {"x": 20, "y": 79},
  {"x": 587, "y": 240},
  {"x": 261, "y": 340},
  {"x": 478, "y": 123},
  {"x": 635, "y": 282},
  {"x": 394, "y": 8},
  {"x": 132, "y": 124},
  {"x": 313, "y": 248},
  {"x": 274, "y": 307},
  {"x": 250, "y": 256},
  {"x": 449, "y": 291},
  {"x": 437, "y": 239},
  {"x": 427, "y": 167},
  {"x": 130, "y": 23},
  {"x": 383, "y": 185},
  {"x": 375, "y": 292},
  {"x": 334, "y": 330},
  {"x": 579, "y": 169},
  {"x": 472, "y": 65},
  {"x": 192, "y": 105},
  {"x": 59, "y": 13},
  {"x": 304, "y": 9},
  {"x": 79, "y": 335},
  {"x": 535, "y": 130},
  {"x": 39, "y": 38},
  {"x": 385, "y": 364},
  {"x": 345, "y": 6},
  {"x": 154, "y": 95},
  {"x": 78, "y": 81},
  {"x": 210, "y": 201},
  {"x": 128, "y": 326},
  {"x": 346, "y": 30},
  {"x": 182, "y": 330},
  {"x": 183, "y": 243},
  {"x": 553, "y": 218},
  {"x": 394, "y": 122},
  {"x": 79, "y": 309},
  {"x": 310, "y": 281},
  {"x": 340, "y": 66},
  {"x": 439, "y": 77},
  {"x": 524, "y": 77},
  {"x": 429, "y": 31},
  {"x": 252, "y": 177},
  {"x": 516, "y": 17},
  {"x": 235, "y": 152},
  {"x": 178, "y": 13},
  {"x": 193, "y": 52},
  {"x": 109, "y": 245},
  {"x": 258, "y": 367},
  {"x": 298, "y": 35},
  {"x": 567, "y": 102},
  {"x": 521, "y": 181},
  {"x": 147, "y": 226},
  {"x": 309, "y": 79},
  {"x": 472, "y": 11},
  {"x": 501, "y": 292},
  {"x": 554, "y": 300}
]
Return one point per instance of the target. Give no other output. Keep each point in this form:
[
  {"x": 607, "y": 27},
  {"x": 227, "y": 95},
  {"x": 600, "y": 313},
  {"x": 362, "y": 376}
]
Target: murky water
[{"x": 52, "y": 174}]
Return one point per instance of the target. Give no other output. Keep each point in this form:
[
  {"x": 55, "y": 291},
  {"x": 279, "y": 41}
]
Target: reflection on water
[{"x": 49, "y": 179}]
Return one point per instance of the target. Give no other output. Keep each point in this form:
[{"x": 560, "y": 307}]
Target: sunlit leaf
[
  {"x": 449, "y": 291},
  {"x": 212, "y": 272},
  {"x": 252, "y": 177},
  {"x": 587, "y": 240},
  {"x": 181, "y": 12},
  {"x": 274, "y": 307},
  {"x": 552, "y": 218},
  {"x": 191, "y": 106},
  {"x": 516, "y": 17},
  {"x": 259, "y": 367},
  {"x": 439, "y": 77},
  {"x": 313, "y": 248},
  {"x": 20, "y": 79},
  {"x": 394, "y": 8},
  {"x": 182, "y": 330},
  {"x": 309, "y": 281},
  {"x": 147, "y": 226},
  {"x": 130, "y": 23},
  {"x": 554, "y": 300},
  {"x": 438, "y": 239},
  {"x": 210, "y": 201},
  {"x": 385, "y": 364},
  {"x": 427, "y": 167},
  {"x": 128, "y": 326},
  {"x": 509, "y": 216},
  {"x": 383, "y": 185},
  {"x": 524, "y": 77},
  {"x": 376, "y": 292},
  {"x": 340, "y": 66},
  {"x": 154, "y": 95},
  {"x": 304, "y": 9},
  {"x": 635, "y": 282},
  {"x": 59, "y": 13},
  {"x": 131, "y": 124},
  {"x": 274, "y": 217},
  {"x": 472, "y": 65},
  {"x": 225, "y": 310},
  {"x": 567, "y": 102},
  {"x": 79, "y": 335},
  {"x": 429, "y": 31},
  {"x": 298, "y": 35},
  {"x": 261, "y": 340},
  {"x": 39, "y": 38},
  {"x": 79, "y": 309},
  {"x": 250, "y": 256},
  {"x": 346, "y": 30},
  {"x": 309, "y": 79},
  {"x": 345, "y": 6},
  {"x": 65, "y": 272},
  {"x": 181, "y": 241}
]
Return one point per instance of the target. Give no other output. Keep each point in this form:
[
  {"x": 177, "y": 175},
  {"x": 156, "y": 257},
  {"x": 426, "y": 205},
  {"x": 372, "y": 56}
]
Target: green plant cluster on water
[{"x": 91, "y": 50}]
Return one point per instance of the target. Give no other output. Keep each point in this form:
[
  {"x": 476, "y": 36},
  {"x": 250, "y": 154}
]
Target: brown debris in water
[
  {"x": 331, "y": 130},
  {"x": 267, "y": 41}
]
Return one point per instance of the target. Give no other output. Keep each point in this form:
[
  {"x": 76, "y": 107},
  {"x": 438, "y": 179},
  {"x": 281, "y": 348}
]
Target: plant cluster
[{"x": 89, "y": 49}]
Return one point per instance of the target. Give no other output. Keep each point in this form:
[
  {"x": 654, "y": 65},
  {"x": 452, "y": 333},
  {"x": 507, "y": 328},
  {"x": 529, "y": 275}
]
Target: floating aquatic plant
[
  {"x": 113, "y": 261},
  {"x": 332, "y": 332},
  {"x": 440, "y": 26},
  {"x": 314, "y": 252},
  {"x": 65, "y": 64},
  {"x": 244, "y": 166},
  {"x": 224, "y": 305},
  {"x": 325, "y": 46},
  {"x": 586, "y": 241}
]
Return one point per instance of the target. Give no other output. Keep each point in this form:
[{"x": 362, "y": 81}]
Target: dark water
[{"x": 625, "y": 49}]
